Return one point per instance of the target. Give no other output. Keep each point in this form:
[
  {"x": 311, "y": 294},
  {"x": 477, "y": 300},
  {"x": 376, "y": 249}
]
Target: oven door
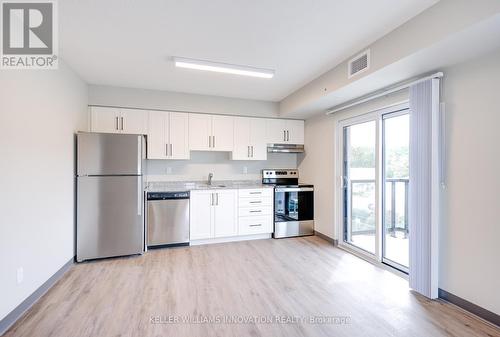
[{"x": 293, "y": 211}]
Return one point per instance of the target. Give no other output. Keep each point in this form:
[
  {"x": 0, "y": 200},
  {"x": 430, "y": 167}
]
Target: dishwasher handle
[{"x": 167, "y": 195}]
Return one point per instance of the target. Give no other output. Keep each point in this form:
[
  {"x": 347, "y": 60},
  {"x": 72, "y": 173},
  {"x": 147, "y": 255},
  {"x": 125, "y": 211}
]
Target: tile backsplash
[{"x": 218, "y": 163}]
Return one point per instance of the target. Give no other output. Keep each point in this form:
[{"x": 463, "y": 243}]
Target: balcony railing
[{"x": 394, "y": 220}]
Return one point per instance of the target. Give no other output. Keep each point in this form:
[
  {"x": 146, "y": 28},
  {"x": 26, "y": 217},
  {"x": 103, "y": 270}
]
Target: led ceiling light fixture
[{"x": 182, "y": 62}]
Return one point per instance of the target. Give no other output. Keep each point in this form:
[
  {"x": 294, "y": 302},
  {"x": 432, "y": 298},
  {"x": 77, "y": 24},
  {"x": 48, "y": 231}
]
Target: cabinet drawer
[
  {"x": 256, "y": 192},
  {"x": 255, "y": 225},
  {"x": 255, "y": 202},
  {"x": 255, "y": 211}
]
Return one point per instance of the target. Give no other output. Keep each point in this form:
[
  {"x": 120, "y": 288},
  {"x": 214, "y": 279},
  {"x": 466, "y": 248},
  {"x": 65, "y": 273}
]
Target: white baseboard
[{"x": 230, "y": 239}]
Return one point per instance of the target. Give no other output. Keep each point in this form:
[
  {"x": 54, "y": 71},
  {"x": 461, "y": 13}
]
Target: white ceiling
[{"x": 129, "y": 43}]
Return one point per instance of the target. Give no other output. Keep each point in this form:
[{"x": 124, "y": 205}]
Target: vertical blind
[{"x": 424, "y": 188}]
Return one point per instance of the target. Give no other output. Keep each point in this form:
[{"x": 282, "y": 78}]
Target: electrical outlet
[
  {"x": 20, "y": 275},
  {"x": 245, "y": 169},
  {"x": 168, "y": 170}
]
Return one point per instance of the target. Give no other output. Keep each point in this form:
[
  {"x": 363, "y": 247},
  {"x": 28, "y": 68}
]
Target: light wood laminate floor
[{"x": 253, "y": 280}]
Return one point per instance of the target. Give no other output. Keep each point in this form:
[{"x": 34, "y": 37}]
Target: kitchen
[{"x": 117, "y": 151}]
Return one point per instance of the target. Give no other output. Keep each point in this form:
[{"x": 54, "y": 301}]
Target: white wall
[
  {"x": 167, "y": 100},
  {"x": 218, "y": 163},
  {"x": 39, "y": 113},
  {"x": 317, "y": 164},
  {"x": 469, "y": 245},
  {"x": 469, "y": 248}
]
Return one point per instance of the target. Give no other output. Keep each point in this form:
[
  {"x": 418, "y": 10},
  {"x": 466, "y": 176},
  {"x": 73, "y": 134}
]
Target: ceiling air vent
[{"x": 359, "y": 64}]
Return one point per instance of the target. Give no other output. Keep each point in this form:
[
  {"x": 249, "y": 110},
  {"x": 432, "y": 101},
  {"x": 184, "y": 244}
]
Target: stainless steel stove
[{"x": 293, "y": 203}]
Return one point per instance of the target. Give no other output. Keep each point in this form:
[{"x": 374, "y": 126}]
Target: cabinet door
[
  {"x": 276, "y": 131},
  {"x": 225, "y": 219},
  {"x": 200, "y": 129},
  {"x": 258, "y": 139},
  {"x": 134, "y": 121},
  {"x": 222, "y": 131},
  {"x": 295, "y": 130},
  {"x": 105, "y": 120},
  {"x": 201, "y": 215},
  {"x": 179, "y": 135},
  {"x": 157, "y": 128},
  {"x": 241, "y": 148}
]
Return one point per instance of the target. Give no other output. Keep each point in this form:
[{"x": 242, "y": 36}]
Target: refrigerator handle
[
  {"x": 140, "y": 154},
  {"x": 139, "y": 195}
]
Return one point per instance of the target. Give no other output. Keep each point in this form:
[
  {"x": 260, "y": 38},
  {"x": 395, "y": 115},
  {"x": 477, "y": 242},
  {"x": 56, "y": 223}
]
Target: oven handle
[{"x": 294, "y": 189}]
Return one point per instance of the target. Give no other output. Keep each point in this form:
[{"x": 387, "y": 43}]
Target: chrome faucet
[{"x": 210, "y": 176}]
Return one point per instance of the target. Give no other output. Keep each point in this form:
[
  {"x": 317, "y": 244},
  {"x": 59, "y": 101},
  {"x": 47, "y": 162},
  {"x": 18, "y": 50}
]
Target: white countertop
[{"x": 175, "y": 186}]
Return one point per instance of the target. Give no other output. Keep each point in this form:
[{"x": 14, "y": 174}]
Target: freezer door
[
  {"x": 110, "y": 218},
  {"x": 109, "y": 154}
]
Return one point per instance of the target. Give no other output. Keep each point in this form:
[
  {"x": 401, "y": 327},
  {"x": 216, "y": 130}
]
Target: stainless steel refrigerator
[{"x": 110, "y": 192}]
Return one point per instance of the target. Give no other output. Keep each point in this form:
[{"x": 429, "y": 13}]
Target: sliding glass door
[
  {"x": 360, "y": 144},
  {"x": 396, "y": 164},
  {"x": 375, "y": 180}
]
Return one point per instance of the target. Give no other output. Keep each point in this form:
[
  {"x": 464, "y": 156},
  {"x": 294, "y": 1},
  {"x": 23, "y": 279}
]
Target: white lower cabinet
[
  {"x": 255, "y": 211},
  {"x": 213, "y": 214},
  {"x": 201, "y": 215}
]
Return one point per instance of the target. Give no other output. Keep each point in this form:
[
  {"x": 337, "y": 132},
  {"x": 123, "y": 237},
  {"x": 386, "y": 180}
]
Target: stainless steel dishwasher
[{"x": 167, "y": 219}]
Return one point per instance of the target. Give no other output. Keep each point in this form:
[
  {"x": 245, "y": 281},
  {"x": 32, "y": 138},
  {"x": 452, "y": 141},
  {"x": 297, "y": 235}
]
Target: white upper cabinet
[
  {"x": 157, "y": 135},
  {"x": 295, "y": 131},
  {"x": 222, "y": 132},
  {"x": 134, "y": 121},
  {"x": 200, "y": 132},
  {"x": 168, "y": 135},
  {"x": 249, "y": 139},
  {"x": 285, "y": 131},
  {"x": 179, "y": 135},
  {"x": 104, "y": 120},
  {"x": 210, "y": 132},
  {"x": 115, "y": 120}
]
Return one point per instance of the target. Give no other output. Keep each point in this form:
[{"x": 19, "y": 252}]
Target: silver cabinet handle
[
  {"x": 211, "y": 199},
  {"x": 255, "y": 192},
  {"x": 166, "y": 150},
  {"x": 284, "y": 135},
  {"x": 259, "y": 211},
  {"x": 116, "y": 123},
  {"x": 255, "y": 202},
  {"x": 121, "y": 119},
  {"x": 256, "y": 225},
  {"x": 209, "y": 141},
  {"x": 287, "y": 135},
  {"x": 248, "y": 151},
  {"x": 217, "y": 199},
  {"x": 213, "y": 142},
  {"x": 252, "y": 151}
]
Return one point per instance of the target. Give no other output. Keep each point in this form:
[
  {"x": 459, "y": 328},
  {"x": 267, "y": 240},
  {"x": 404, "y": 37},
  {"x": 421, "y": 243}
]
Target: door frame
[{"x": 375, "y": 115}]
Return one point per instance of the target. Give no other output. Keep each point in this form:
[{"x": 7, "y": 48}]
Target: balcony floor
[{"x": 397, "y": 248}]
